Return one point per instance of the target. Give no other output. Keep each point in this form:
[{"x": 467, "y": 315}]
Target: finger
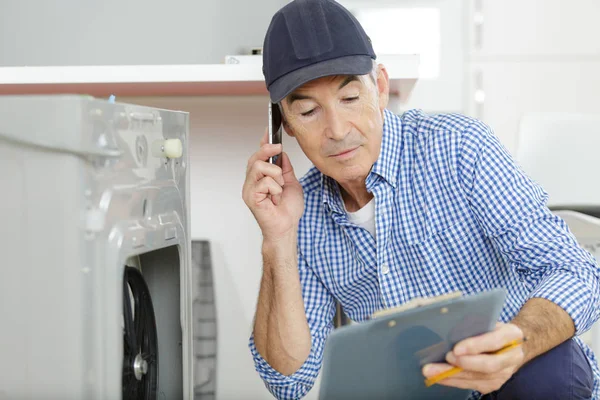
[
  {"x": 433, "y": 369},
  {"x": 263, "y": 154},
  {"x": 265, "y": 138},
  {"x": 260, "y": 169},
  {"x": 490, "y": 341},
  {"x": 480, "y": 376},
  {"x": 276, "y": 198},
  {"x": 487, "y": 363},
  {"x": 287, "y": 169},
  {"x": 267, "y": 186},
  {"x": 482, "y": 382}
]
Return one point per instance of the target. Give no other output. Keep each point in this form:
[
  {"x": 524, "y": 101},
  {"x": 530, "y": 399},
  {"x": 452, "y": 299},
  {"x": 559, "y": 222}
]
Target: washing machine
[{"x": 95, "y": 267}]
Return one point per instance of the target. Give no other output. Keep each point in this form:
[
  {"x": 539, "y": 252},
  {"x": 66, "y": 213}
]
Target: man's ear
[{"x": 383, "y": 86}]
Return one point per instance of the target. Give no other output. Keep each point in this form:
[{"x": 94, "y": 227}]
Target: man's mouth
[{"x": 344, "y": 153}]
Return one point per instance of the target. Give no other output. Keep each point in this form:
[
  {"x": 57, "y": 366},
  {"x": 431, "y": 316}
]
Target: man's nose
[{"x": 337, "y": 127}]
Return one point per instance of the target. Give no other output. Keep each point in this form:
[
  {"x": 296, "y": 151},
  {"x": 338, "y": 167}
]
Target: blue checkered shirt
[{"x": 453, "y": 212}]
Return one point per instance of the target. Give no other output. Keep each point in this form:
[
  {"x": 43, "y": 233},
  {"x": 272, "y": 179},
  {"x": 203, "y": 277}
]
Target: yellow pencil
[{"x": 446, "y": 374}]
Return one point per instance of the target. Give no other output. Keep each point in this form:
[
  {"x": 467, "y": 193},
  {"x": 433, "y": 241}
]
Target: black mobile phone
[{"x": 275, "y": 129}]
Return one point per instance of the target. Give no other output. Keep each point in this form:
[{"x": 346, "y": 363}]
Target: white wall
[
  {"x": 115, "y": 32},
  {"x": 532, "y": 56},
  {"x": 225, "y": 131}
]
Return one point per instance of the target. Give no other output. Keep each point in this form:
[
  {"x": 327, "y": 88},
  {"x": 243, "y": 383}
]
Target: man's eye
[
  {"x": 308, "y": 113},
  {"x": 350, "y": 99}
]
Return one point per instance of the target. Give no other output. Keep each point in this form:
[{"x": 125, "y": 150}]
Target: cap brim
[{"x": 349, "y": 65}]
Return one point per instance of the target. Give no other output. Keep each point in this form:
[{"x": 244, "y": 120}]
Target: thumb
[{"x": 287, "y": 169}]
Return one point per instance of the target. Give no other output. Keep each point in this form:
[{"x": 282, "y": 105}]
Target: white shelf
[{"x": 171, "y": 80}]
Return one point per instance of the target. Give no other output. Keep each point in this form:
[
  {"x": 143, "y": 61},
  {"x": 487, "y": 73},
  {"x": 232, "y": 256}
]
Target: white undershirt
[{"x": 365, "y": 217}]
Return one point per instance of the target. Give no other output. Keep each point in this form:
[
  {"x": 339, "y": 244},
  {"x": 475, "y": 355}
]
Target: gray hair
[{"x": 373, "y": 73}]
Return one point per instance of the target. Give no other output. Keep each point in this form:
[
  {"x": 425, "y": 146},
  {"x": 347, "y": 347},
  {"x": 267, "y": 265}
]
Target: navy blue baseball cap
[{"x": 310, "y": 39}]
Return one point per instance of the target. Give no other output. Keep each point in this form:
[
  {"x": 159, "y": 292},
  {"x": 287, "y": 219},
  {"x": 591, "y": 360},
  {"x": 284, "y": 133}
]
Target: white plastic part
[
  {"x": 173, "y": 148},
  {"x": 94, "y": 221},
  {"x": 170, "y": 148}
]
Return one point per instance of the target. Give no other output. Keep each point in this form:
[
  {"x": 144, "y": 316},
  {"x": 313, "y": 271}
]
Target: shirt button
[{"x": 385, "y": 269}]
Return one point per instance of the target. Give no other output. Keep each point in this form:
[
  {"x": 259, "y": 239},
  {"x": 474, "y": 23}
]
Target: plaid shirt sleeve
[
  {"x": 320, "y": 309},
  {"x": 538, "y": 246}
]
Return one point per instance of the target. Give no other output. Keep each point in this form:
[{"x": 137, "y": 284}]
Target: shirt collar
[
  {"x": 332, "y": 196},
  {"x": 388, "y": 162},
  {"x": 385, "y": 167}
]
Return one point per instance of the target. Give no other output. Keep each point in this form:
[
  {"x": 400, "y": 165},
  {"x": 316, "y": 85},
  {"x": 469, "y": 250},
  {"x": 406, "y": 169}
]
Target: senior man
[{"x": 398, "y": 207}]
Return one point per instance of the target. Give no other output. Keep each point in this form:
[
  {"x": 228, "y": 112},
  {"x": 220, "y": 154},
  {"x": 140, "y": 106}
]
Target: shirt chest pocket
[
  {"x": 452, "y": 259},
  {"x": 447, "y": 259}
]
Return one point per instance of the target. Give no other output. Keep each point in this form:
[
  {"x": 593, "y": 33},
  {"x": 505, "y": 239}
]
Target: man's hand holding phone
[{"x": 272, "y": 192}]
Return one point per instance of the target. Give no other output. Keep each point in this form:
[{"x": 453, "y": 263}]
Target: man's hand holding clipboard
[{"x": 483, "y": 363}]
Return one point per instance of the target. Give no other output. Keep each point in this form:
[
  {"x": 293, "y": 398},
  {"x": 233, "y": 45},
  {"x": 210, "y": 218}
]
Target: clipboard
[{"x": 383, "y": 357}]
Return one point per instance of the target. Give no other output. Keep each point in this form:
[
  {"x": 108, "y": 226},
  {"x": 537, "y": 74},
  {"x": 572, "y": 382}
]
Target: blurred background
[{"x": 500, "y": 61}]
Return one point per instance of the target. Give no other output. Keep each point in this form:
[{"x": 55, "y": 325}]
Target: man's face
[{"x": 338, "y": 122}]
